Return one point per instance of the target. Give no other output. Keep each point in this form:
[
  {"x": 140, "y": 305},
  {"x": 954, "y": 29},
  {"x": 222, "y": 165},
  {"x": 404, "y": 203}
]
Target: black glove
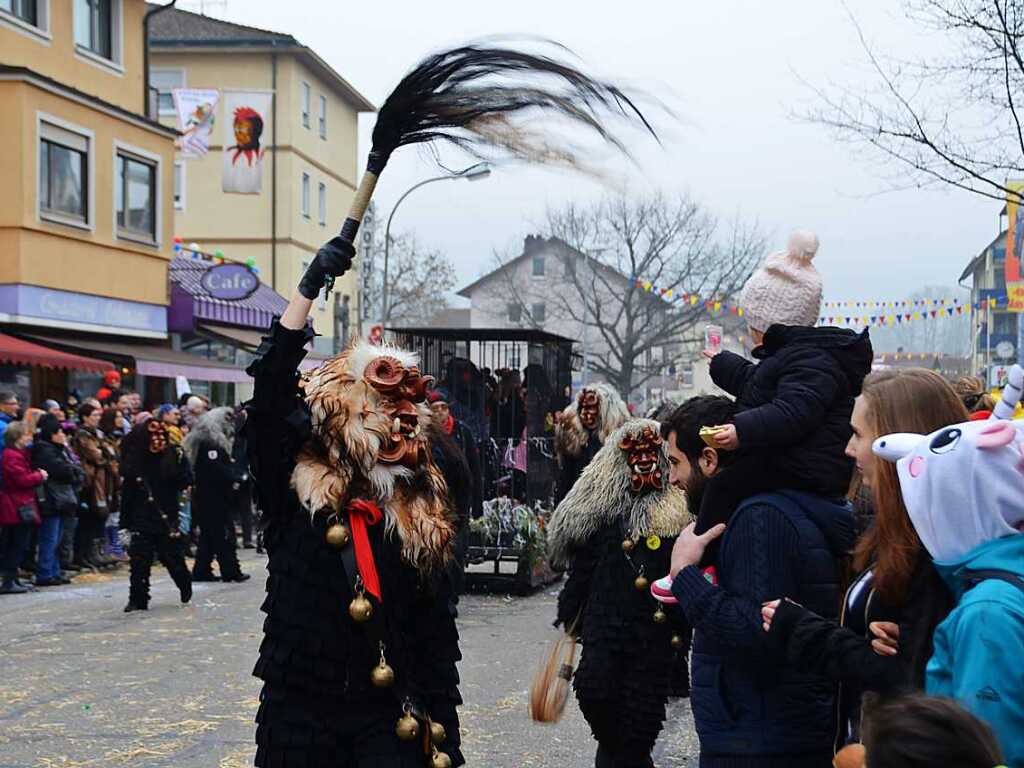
[{"x": 333, "y": 260}]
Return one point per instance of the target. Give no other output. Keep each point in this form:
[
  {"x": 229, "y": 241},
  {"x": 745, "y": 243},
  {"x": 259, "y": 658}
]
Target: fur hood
[
  {"x": 367, "y": 407},
  {"x": 603, "y": 495},
  {"x": 571, "y": 437},
  {"x": 216, "y": 427}
]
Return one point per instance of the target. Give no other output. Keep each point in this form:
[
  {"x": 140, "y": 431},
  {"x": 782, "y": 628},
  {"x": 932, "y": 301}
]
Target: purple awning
[{"x": 191, "y": 303}]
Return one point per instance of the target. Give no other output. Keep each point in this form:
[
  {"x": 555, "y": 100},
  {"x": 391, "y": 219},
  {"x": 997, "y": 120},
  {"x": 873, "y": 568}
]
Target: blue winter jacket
[
  {"x": 749, "y": 703},
  {"x": 979, "y": 648}
]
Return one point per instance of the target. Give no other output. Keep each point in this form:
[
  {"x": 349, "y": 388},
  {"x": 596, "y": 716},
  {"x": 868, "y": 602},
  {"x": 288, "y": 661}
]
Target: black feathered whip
[{"x": 471, "y": 96}]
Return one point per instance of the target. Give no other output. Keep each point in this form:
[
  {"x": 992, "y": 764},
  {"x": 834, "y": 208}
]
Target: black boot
[
  {"x": 133, "y": 607},
  {"x": 11, "y": 586},
  {"x": 73, "y": 567},
  {"x": 186, "y": 592}
]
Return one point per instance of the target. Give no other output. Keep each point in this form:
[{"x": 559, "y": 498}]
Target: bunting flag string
[{"x": 871, "y": 313}]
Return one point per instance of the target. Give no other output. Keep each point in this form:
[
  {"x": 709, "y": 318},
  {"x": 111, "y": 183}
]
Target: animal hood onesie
[
  {"x": 583, "y": 428},
  {"x": 359, "y": 652},
  {"x": 614, "y": 531}
]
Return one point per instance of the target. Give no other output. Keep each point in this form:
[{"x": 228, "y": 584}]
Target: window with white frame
[
  {"x": 63, "y": 174},
  {"x": 305, "y": 105},
  {"x": 539, "y": 312},
  {"x": 179, "y": 185},
  {"x": 323, "y": 116},
  {"x": 165, "y": 81},
  {"x": 515, "y": 313},
  {"x": 135, "y": 196},
  {"x": 97, "y": 27},
  {"x": 305, "y": 195},
  {"x": 30, "y": 12},
  {"x": 321, "y": 205}
]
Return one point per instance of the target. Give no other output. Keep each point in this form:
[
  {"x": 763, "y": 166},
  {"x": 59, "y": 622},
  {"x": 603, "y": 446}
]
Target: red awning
[{"x": 20, "y": 352}]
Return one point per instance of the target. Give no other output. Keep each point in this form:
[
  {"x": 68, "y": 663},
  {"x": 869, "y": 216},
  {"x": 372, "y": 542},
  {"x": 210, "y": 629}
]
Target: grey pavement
[{"x": 84, "y": 685}]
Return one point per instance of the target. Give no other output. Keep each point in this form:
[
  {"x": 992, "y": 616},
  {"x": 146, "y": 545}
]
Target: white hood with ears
[{"x": 963, "y": 485}]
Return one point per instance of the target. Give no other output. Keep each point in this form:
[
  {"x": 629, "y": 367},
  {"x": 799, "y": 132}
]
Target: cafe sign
[{"x": 229, "y": 282}]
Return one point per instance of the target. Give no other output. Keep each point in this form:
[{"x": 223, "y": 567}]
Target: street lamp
[{"x": 472, "y": 173}]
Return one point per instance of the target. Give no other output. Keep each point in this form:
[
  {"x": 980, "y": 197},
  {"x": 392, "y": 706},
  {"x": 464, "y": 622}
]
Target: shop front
[
  {"x": 51, "y": 321},
  {"x": 220, "y": 310}
]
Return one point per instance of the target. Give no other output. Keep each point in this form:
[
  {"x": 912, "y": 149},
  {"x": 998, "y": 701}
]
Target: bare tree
[
  {"x": 609, "y": 250},
  {"x": 952, "y": 118},
  {"x": 419, "y": 281}
]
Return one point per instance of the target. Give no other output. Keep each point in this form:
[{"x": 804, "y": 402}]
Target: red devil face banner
[{"x": 246, "y": 136}]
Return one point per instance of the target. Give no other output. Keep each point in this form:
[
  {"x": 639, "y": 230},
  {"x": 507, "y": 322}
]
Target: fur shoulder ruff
[{"x": 602, "y": 495}]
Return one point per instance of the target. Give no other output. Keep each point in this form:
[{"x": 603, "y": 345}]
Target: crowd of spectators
[{"x": 61, "y": 483}]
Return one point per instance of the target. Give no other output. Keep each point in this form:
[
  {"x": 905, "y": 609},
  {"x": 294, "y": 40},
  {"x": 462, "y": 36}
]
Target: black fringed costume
[
  {"x": 615, "y": 530},
  {"x": 318, "y": 707},
  {"x": 154, "y": 472}
]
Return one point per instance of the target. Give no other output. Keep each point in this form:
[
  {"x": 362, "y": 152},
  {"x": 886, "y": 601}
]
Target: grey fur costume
[{"x": 625, "y": 670}]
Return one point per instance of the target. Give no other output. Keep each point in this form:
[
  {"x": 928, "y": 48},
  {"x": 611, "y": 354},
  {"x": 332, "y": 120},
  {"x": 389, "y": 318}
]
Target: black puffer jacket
[
  {"x": 797, "y": 402},
  {"x": 841, "y": 651},
  {"x": 64, "y": 478}
]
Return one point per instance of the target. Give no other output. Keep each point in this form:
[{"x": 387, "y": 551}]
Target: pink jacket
[{"x": 20, "y": 481}]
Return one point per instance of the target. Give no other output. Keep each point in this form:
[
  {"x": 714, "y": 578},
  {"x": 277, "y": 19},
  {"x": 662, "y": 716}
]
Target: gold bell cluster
[{"x": 408, "y": 729}]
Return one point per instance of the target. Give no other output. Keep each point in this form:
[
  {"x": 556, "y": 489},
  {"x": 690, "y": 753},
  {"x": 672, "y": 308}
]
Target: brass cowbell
[
  {"x": 407, "y": 728},
  {"x": 338, "y": 535},
  {"x": 383, "y": 676},
  {"x": 641, "y": 582},
  {"x": 677, "y": 641},
  {"x": 628, "y": 545},
  {"x": 440, "y": 760},
  {"x": 360, "y": 609},
  {"x": 660, "y": 617},
  {"x": 437, "y": 733}
]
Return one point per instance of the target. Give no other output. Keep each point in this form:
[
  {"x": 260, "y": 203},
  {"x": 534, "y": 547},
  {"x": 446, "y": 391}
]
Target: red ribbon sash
[{"x": 362, "y": 513}]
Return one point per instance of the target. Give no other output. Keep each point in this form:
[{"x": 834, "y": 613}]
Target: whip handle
[{"x": 355, "y": 215}]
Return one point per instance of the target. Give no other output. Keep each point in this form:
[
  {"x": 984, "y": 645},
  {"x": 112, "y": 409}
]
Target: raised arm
[
  {"x": 730, "y": 372},
  {"x": 277, "y": 421}
]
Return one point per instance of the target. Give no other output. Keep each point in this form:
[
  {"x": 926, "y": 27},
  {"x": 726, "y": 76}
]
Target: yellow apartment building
[
  {"x": 310, "y": 168},
  {"x": 86, "y": 199}
]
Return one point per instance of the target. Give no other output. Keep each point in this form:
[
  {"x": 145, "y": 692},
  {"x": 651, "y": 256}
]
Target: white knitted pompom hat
[{"x": 786, "y": 289}]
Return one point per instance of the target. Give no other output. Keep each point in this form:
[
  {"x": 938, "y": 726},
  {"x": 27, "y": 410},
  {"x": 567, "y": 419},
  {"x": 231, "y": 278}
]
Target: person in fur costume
[
  {"x": 613, "y": 531},
  {"x": 154, "y": 472},
  {"x": 583, "y": 428},
  {"x": 208, "y": 447},
  {"x": 358, "y": 659}
]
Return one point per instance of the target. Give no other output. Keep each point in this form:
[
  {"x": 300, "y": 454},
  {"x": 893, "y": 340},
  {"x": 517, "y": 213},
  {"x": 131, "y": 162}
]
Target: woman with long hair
[{"x": 896, "y": 581}]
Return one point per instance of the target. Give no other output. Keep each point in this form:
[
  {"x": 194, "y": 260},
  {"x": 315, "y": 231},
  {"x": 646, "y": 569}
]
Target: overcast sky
[{"x": 730, "y": 68}]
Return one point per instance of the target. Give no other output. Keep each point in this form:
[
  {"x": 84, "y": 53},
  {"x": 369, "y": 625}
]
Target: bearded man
[
  {"x": 360, "y": 647},
  {"x": 614, "y": 532},
  {"x": 752, "y": 706},
  {"x": 582, "y": 429}
]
